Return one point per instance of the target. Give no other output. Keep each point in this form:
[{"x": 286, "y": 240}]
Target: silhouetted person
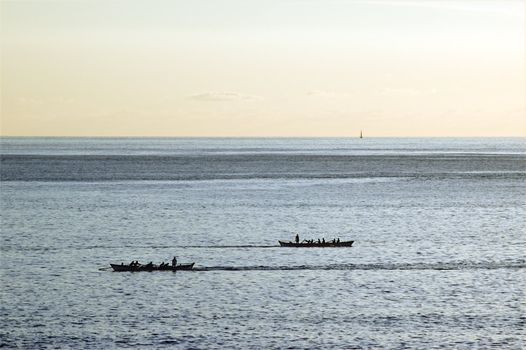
[
  {"x": 319, "y": 241},
  {"x": 174, "y": 261},
  {"x": 323, "y": 240},
  {"x": 338, "y": 240},
  {"x": 297, "y": 238}
]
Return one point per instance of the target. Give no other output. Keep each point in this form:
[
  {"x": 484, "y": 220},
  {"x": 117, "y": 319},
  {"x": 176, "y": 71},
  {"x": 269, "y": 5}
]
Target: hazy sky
[{"x": 263, "y": 68}]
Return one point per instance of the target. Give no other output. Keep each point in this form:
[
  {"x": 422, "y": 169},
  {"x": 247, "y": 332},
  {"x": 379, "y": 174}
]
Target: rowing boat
[
  {"x": 328, "y": 244},
  {"x": 122, "y": 267}
]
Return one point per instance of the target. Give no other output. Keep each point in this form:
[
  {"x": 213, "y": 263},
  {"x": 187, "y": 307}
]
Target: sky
[{"x": 246, "y": 68}]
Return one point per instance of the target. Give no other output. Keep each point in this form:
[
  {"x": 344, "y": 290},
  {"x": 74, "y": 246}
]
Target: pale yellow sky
[{"x": 263, "y": 68}]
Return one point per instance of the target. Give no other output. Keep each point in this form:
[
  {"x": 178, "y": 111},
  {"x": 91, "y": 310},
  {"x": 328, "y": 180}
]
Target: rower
[
  {"x": 174, "y": 261},
  {"x": 297, "y": 238}
]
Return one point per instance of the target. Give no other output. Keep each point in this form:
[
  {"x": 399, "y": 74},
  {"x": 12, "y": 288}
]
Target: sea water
[{"x": 438, "y": 259}]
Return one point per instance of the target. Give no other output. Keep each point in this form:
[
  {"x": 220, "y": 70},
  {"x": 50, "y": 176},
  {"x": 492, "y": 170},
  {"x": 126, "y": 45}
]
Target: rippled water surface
[{"x": 438, "y": 259}]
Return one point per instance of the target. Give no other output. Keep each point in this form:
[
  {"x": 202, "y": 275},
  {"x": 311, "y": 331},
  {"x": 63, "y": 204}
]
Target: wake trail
[{"x": 373, "y": 267}]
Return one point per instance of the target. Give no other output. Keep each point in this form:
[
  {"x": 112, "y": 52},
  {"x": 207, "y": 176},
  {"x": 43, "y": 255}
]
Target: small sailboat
[{"x": 361, "y": 134}]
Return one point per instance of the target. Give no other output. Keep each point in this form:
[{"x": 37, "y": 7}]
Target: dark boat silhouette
[
  {"x": 327, "y": 244},
  {"x": 121, "y": 268}
]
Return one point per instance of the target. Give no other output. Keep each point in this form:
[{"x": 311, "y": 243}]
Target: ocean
[{"x": 438, "y": 260}]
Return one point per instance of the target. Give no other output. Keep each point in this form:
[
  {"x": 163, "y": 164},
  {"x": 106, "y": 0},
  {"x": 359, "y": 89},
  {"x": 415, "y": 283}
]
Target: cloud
[
  {"x": 332, "y": 94},
  {"x": 407, "y": 92},
  {"x": 223, "y": 96},
  {"x": 25, "y": 100},
  {"x": 512, "y": 8}
]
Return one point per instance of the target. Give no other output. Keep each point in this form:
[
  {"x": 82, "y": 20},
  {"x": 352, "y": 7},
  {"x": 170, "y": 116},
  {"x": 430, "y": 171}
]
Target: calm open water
[{"x": 438, "y": 261}]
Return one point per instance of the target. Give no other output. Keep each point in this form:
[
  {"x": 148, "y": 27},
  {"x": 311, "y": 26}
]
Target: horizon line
[{"x": 248, "y": 137}]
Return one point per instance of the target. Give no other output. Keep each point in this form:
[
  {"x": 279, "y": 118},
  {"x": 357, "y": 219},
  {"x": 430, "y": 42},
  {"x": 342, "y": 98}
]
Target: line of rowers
[
  {"x": 150, "y": 264},
  {"x": 322, "y": 241}
]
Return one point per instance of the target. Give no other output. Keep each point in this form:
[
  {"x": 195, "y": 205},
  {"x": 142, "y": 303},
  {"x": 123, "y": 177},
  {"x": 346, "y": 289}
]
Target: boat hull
[
  {"x": 315, "y": 244},
  {"x": 122, "y": 268}
]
